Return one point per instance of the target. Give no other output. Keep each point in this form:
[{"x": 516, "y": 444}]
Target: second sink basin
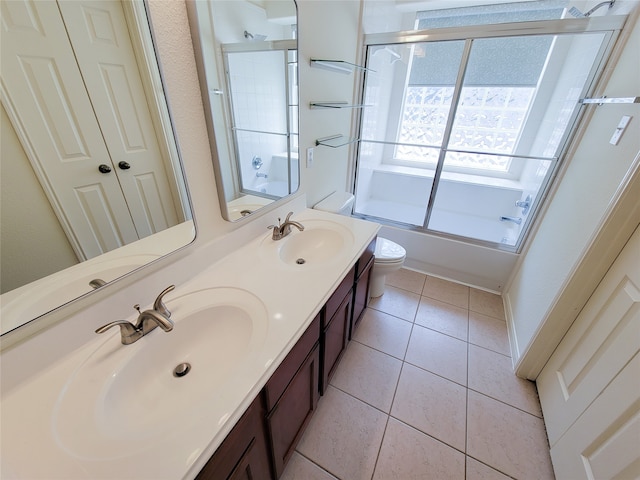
[
  {"x": 320, "y": 243},
  {"x": 125, "y": 396}
]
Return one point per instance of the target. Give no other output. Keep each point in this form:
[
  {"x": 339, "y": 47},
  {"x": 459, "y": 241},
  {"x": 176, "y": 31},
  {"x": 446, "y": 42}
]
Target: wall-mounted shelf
[
  {"x": 335, "y": 141},
  {"x": 339, "y": 66},
  {"x": 334, "y": 105},
  {"x": 603, "y": 100}
]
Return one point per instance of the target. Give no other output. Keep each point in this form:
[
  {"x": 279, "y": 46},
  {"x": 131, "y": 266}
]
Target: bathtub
[
  {"x": 277, "y": 188},
  {"x": 465, "y": 208}
]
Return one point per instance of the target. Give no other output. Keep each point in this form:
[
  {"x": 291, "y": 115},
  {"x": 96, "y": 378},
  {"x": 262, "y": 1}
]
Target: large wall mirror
[
  {"x": 92, "y": 185},
  {"x": 246, "y": 52}
]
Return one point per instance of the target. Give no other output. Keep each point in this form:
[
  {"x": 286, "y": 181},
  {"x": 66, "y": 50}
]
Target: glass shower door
[
  {"x": 517, "y": 101},
  {"x": 403, "y": 129},
  {"x": 262, "y": 89}
]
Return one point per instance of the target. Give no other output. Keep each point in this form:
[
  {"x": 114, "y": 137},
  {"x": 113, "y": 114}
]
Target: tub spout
[{"x": 516, "y": 220}]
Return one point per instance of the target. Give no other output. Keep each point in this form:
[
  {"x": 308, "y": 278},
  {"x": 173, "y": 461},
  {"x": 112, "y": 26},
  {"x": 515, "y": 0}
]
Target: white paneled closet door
[
  {"x": 100, "y": 38},
  {"x": 80, "y": 110},
  {"x": 590, "y": 388},
  {"x": 45, "y": 96}
]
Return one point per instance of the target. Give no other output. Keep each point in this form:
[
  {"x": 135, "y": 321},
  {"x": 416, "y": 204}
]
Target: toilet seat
[{"x": 389, "y": 252}]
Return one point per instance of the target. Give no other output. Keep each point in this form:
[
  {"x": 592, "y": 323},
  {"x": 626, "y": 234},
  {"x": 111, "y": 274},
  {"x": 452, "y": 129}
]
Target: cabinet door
[
  {"x": 361, "y": 296},
  {"x": 244, "y": 453},
  {"x": 289, "y": 367},
  {"x": 289, "y": 417},
  {"x": 334, "y": 340}
]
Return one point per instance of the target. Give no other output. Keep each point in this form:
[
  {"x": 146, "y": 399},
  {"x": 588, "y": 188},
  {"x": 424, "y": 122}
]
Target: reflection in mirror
[
  {"x": 247, "y": 60},
  {"x": 92, "y": 185}
]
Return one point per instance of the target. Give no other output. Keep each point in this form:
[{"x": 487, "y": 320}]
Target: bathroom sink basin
[
  {"x": 311, "y": 246},
  {"x": 124, "y": 396},
  {"x": 320, "y": 243}
]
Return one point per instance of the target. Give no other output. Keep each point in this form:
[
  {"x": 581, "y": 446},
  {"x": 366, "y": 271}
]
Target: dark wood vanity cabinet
[
  {"x": 334, "y": 335},
  {"x": 263, "y": 440},
  {"x": 244, "y": 454},
  {"x": 364, "y": 267},
  {"x": 291, "y": 396}
]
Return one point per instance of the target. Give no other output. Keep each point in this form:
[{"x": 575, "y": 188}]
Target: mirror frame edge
[
  {"x": 50, "y": 318},
  {"x": 194, "y": 27}
]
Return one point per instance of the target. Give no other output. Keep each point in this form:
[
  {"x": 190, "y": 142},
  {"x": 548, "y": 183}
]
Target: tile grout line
[
  {"x": 453, "y": 304},
  {"x": 375, "y": 465},
  {"x": 316, "y": 464},
  {"x": 466, "y": 416},
  {"x": 404, "y": 362}
]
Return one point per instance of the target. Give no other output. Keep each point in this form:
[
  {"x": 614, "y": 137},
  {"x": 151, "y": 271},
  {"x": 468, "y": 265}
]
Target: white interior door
[
  {"x": 44, "y": 93},
  {"x": 100, "y": 39},
  {"x": 590, "y": 388}
]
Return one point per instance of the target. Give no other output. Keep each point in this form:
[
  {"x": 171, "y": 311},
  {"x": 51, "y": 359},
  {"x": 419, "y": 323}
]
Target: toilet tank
[{"x": 338, "y": 202}]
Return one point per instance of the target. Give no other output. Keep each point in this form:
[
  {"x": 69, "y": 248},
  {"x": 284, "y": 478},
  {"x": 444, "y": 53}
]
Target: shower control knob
[{"x": 104, "y": 168}]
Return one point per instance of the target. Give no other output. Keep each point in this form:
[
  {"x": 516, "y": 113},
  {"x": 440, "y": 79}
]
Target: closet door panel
[
  {"x": 589, "y": 389},
  {"x": 100, "y": 37},
  {"x": 47, "y": 102}
]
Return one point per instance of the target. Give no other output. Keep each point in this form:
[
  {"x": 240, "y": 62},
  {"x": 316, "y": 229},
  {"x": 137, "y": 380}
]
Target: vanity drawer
[
  {"x": 332, "y": 305},
  {"x": 278, "y": 382}
]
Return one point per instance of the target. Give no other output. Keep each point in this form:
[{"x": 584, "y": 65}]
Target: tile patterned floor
[{"x": 426, "y": 390}]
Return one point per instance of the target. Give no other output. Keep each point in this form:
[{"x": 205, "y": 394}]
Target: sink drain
[
  {"x": 301, "y": 261},
  {"x": 181, "y": 370}
]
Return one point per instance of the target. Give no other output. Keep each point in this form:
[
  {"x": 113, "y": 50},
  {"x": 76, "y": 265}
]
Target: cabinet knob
[
  {"x": 124, "y": 165},
  {"x": 104, "y": 168}
]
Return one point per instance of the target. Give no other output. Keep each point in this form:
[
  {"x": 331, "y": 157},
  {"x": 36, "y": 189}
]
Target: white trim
[{"x": 613, "y": 231}]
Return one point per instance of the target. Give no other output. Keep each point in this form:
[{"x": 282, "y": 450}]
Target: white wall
[
  {"x": 326, "y": 30},
  {"x": 33, "y": 242},
  {"x": 578, "y": 206},
  {"x": 36, "y": 345}
]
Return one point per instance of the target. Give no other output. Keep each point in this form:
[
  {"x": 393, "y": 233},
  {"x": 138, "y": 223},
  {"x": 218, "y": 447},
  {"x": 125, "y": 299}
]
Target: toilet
[{"x": 389, "y": 256}]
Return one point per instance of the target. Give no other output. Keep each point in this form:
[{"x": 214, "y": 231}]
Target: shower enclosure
[
  {"x": 261, "y": 80},
  {"x": 467, "y": 126}
]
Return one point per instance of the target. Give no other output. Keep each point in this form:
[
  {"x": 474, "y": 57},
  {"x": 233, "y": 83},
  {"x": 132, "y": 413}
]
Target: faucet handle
[
  {"x": 288, "y": 217},
  {"x": 159, "y": 305},
  {"x": 128, "y": 332},
  {"x": 277, "y": 234}
]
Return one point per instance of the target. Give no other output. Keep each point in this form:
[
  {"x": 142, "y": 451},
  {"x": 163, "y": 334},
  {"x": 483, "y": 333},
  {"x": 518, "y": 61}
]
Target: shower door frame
[
  {"x": 610, "y": 27},
  {"x": 284, "y": 46}
]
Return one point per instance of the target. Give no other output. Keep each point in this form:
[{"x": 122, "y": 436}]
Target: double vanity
[{"x": 227, "y": 391}]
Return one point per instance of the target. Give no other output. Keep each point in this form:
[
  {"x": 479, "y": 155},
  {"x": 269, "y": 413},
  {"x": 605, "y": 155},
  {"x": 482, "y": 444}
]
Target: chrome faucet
[
  {"x": 281, "y": 231},
  {"x": 525, "y": 204},
  {"x": 147, "y": 320}
]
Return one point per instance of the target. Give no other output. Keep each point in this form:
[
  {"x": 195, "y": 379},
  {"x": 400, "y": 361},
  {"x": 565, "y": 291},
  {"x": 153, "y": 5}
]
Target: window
[
  {"x": 489, "y": 117},
  {"x": 464, "y": 127}
]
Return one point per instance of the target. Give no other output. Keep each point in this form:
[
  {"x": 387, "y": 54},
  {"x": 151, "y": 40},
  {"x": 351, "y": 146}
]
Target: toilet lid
[{"x": 388, "y": 251}]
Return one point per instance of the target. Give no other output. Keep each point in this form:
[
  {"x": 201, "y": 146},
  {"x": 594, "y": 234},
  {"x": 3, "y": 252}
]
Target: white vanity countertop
[{"x": 33, "y": 447}]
